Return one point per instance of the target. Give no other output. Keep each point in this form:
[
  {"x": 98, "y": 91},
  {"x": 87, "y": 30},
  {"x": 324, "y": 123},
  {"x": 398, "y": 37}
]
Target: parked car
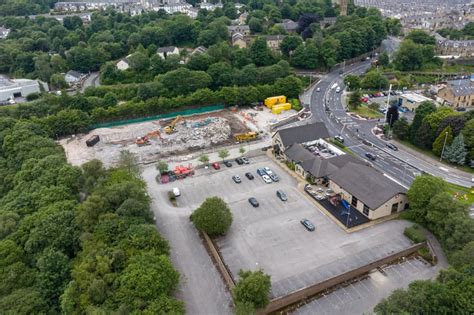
[
  {"x": 216, "y": 166},
  {"x": 308, "y": 225},
  {"x": 274, "y": 177},
  {"x": 245, "y": 160},
  {"x": 176, "y": 192},
  {"x": 392, "y": 146},
  {"x": 261, "y": 171},
  {"x": 239, "y": 161},
  {"x": 339, "y": 138},
  {"x": 249, "y": 175},
  {"x": 403, "y": 109},
  {"x": 267, "y": 179},
  {"x": 228, "y": 163},
  {"x": 461, "y": 109},
  {"x": 268, "y": 171},
  {"x": 319, "y": 197},
  {"x": 237, "y": 179},
  {"x": 253, "y": 201},
  {"x": 370, "y": 156},
  {"x": 281, "y": 194}
]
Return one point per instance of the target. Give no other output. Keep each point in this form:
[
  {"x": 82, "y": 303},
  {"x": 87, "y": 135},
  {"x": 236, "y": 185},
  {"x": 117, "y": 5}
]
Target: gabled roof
[
  {"x": 199, "y": 50},
  {"x": 366, "y": 184},
  {"x": 166, "y": 49},
  {"x": 302, "y": 134},
  {"x": 73, "y": 73},
  {"x": 462, "y": 87}
]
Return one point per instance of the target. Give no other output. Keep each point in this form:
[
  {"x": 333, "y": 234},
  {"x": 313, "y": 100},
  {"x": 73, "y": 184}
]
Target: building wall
[
  {"x": 122, "y": 65},
  {"x": 386, "y": 209},
  {"x": 25, "y": 90},
  {"x": 276, "y": 141},
  {"x": 461, "y": 101}
]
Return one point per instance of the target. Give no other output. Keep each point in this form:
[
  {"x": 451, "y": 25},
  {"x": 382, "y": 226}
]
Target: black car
[
  {"x": 239, "y": 161},
  {"x": 249, "y": 175},
  {"x": 308, "y": 225},
  {"x": 228, "y": 163},
  {"x": 281, "y": 194},
  {"x": 253, "y": 201},
  {"x": 261, "y": 171},
  {"x": 392, "y": 146},
  {"x": 370, "y": 156}
]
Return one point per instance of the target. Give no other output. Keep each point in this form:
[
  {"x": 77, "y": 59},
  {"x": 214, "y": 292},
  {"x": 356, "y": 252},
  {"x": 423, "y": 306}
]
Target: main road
[{"x": 326, "y": 105}]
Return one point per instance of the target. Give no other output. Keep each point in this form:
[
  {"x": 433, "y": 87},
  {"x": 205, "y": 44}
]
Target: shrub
[
  {"x": 253, "y": 287},
  {"x": 424, "y": 252},
  {"x": 213, "y": 217},
  {"x": 415, "y": 233}
]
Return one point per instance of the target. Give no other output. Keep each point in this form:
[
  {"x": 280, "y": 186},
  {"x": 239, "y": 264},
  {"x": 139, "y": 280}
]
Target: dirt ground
[{"x": 192, "y": 134}]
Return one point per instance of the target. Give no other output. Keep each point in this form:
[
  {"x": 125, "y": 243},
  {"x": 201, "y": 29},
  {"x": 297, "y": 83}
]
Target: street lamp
[{"x": 444, "y": 144}]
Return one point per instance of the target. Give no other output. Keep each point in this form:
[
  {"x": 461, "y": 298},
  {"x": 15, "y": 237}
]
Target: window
[
  {"x": 395, "y": 207},
  {"x": 354, "y": 201},
  {"x": 366, "y": 210}
]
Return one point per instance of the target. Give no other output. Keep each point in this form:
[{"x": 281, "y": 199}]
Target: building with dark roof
[
  {"x": 458, "y": 93},
  {"x": 368, "y": 190},
  {"x": 284, "y": 138},
  {"x": 164, "y": 52},
  {"x": 289, "y": 25}
]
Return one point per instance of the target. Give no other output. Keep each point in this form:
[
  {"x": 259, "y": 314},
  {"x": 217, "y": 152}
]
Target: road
[
  {"x": 92, "y": 80},
  {"x": 327, "y": 106}
]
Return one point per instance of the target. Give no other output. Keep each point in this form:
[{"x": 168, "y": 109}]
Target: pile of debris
[{"x": 200, "y": 134}]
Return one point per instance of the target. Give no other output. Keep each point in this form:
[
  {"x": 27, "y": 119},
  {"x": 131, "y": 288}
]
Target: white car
[
  {"x": 268, "y": 171},
  {"x": 176, "y": 192},
  {"x": 267, "y": 179},
  {"x": 338, "y": 89},
  {"x": 318, "y": 89}
]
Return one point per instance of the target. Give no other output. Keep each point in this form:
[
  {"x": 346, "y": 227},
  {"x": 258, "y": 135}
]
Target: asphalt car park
[{"x": 271, "y": 236}]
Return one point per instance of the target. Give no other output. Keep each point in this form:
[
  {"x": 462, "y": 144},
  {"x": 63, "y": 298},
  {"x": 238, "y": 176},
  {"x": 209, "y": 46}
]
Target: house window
[
  {"x": 395, "y": 207},
  {"x": 354, "y": 201},
  {"x": 366, "y": 210}
]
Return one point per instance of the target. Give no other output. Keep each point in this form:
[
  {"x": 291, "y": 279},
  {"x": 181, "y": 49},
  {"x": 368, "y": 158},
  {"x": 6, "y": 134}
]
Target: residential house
[
  {"x": 243, "y": 18},
  {"x": 238, "y": 40},
  {"x": 199, "y": 50},
  {"x": 327, "y": 22},
  {"x": 164, "y": 52},
  {"x": 242, "y": 29},
  {"x": 274, "y": 41},
  {"x": 289, "y": 26},
  {"x": 458, "y": 48},
  {"x": 458, "y": 93},
  {"x": 123, "y": 64},
  {"x": 284, "y": 138},
  {"x": 210, "y": 6},
  {"x": 368, "y": 190},
  {"x": 4, "y": 32},
  {"x": 73, "y": 77}
]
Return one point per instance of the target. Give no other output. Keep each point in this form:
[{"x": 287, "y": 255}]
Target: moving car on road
[
  {"x": 308, "y": 225},
  {"x": 281, "y": 194},
  {"x": 253, "y": 201},
  {"x": 370, "y": 156},
  {"x": 237, "y": 179},
  {"x": 338, "y": 89},
  {"x": 249, "y": 175},
  {"x": 339, "y": 138},
  {"x": 392, "y": 146}
]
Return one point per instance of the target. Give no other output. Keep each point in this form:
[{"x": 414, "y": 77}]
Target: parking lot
[{"x": 271, "y": 236}]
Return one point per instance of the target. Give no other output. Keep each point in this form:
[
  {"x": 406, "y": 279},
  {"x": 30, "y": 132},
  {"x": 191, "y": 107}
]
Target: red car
[{"x": 216, "y": 166}]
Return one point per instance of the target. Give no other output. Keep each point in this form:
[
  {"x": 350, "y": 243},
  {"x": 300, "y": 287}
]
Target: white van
[
  {"x": 176, "y": 192},
  {"x": 338, "y": 89}
]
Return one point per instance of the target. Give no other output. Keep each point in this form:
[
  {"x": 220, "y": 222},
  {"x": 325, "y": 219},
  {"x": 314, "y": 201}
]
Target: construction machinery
[
  {"x": 142, "y": 141},
  {"x": 181, "y": 172},
  {"x": 170, "y": 128},
  {"x": 154, "y": 133},
  {"x": 248, "y": 136}
]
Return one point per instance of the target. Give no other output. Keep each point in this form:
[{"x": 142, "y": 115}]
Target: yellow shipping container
[
  {"x": 271, "y": 101},
  {"x": 285, "y": 106},
  {"x": 276, "y": 111}
]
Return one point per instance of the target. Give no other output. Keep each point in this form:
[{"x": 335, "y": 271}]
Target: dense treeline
[
  {"x": 417, "y": 52},
  {"x": 465, "y": 33},
  {"x": 432, "y": 205},
  {"x": 62, "y": 115},
  {"x": 59, "y": 254},
  {"x": 25, "y": 7},
  {"x": 434, "y": 127}
]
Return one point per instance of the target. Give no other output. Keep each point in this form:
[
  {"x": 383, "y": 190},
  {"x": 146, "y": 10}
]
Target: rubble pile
[{"x": 215, "y": 132}]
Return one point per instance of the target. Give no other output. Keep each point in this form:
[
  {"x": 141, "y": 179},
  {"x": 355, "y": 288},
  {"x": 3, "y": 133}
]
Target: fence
[
  {"x": 292, "y": 298},
  {"x": 187, "y": 112},
  {"x": 219, "y": 262}
]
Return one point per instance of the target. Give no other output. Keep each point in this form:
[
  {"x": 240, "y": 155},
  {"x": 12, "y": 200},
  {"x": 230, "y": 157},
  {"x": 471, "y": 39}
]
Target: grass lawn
[
  {"x": 432, "y": 155},
  {"x": 366, "y": 112},
  {"x": 462, "y": 193}
]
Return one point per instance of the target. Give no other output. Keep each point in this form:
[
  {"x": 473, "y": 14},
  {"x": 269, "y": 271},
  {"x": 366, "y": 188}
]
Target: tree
[
  {"x": 354, "y": 100},
  {"x": 162, "y": 166},
  {"x": 421, "y": 37},
  {"x": 213, "y": 217},
  {"x": 456, "y": 152},
  {"x": 53, "y": 275},
  {"x": 352, "y": 82},
  {"x": 223, "y": 154},
  {"x": 139, "y": 62},
  {"x": 421, "y": 191},
  {"x": 374, "y": 80},
  {"x": 204, "y": 159},
  {"x": 57, "y": 81},
  {"x": 289, "y": 44},
  {"x": 392, "y": 115},
  {"x": 384, "y": 60},
  {"x": 253, "y": 287},
  {"x": 260, "y": 53},
  {"x": 439, "y": 207},
  {"x": 255, "y": 25},
  {"x": 128, "y": 161},
  {"x": 468, "y": 133},
  {"x": 241, "y": 150},
  {"x": 401, "y": 129},
  {"x": 444, "y": 139},
  {"x": 423, "y": 110}
]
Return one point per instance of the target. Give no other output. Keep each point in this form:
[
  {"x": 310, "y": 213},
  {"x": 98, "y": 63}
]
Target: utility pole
[
  {"x": 388, "y": 103},
  {"x": 444, "y": 144}
]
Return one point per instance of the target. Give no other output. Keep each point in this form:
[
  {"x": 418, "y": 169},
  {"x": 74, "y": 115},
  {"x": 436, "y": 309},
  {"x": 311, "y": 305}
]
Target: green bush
[
  {"x": 424, "y": 252},
  {"x": 253, "y": 287},
  {"x": 213, "y": 217},
  {"x": 415, "y": 233}
]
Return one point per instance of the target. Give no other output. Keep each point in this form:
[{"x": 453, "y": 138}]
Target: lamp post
[{"x": 444, "y": 144}]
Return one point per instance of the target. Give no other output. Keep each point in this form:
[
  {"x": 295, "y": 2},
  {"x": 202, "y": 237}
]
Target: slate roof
[
  {"x": 304, "y": 133},
  {"x": 462, "y": 87},
  {"x": 289, "y": 25},
  {"x": 166, "y": 49},
  {"x": 74, "y": 74},
  {"x": 366, "y": 184}
]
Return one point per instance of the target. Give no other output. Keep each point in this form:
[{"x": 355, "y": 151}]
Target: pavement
[
  {"x": 327, "y": 106},
  {"x": 92, "y": 79}
]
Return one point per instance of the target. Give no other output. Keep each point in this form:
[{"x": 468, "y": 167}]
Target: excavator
[
  {"x": 170, "y": 128},
  {"x": 240, "y": 137}
]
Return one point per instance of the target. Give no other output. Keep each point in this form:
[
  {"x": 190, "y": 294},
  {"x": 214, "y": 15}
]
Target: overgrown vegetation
[
  {"x": 415, "y": 233},
  {"x": 213, "y": 217},
  {"x": 432, "y": 206},
  {"x": 252, "y": 291}
]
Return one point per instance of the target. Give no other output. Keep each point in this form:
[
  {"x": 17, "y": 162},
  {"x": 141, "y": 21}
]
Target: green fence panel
[{"x": 187, "y": 112}]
